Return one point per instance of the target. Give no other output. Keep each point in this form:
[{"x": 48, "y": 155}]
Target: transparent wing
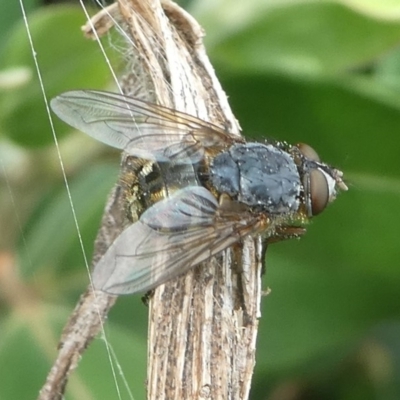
[
  {"x": 140, "y": 128},
  {"x": 171, "y": 237}
]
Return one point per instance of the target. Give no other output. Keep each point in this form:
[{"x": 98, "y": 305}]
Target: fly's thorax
[{"x": 258, "y": 175}]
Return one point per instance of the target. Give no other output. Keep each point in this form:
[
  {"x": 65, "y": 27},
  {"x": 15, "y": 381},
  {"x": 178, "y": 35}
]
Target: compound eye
[
  {"x": 319, "y": 191},
  {"x": 308, "y": 152}
]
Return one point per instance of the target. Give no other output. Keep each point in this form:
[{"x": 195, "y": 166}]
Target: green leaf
[
  {"x": 339, "y": 281},
  {"x": 51, "y": 239},
  {"x": 348, "y": 122},
  {"x": 10, "y": 13},
  {"x": 66, "y": 60},
  {"x": 31, "y": 339},
  {"x": 301, "y": 36},
  {"x": 387, "y": 71}
]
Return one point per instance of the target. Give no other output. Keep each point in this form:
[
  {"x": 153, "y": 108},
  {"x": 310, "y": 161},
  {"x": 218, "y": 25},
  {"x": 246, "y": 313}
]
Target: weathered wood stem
[{"x": 202, "y": 326}]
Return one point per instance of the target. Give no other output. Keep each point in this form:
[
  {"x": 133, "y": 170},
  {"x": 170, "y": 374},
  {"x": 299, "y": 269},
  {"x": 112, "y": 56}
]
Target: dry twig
[{"x": 203, "y": 325}]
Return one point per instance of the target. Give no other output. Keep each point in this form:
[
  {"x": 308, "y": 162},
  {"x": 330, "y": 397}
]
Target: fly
[{"x": 200, "y": 189}]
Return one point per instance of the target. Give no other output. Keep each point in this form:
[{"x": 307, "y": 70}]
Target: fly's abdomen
[
  {"x": 145, "y": 182},
  {"x": 258, "y": 175}
]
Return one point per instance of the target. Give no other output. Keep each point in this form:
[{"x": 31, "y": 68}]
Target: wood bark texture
[{"x": 203, "y": 325}]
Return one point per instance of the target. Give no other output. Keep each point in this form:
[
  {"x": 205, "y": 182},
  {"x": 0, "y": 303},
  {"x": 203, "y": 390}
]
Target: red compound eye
[
  {"x": 319, "y": 191},
  {"x": 308, "y": 152}
]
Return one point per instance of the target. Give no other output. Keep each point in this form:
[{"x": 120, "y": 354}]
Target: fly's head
[{"x": 320, "y": 181}]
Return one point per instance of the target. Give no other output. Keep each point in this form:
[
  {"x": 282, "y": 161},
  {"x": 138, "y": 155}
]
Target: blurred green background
[{"x": 326, "y": 73}]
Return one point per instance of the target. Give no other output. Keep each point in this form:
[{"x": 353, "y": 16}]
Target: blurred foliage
[{"x": 322, "y": 72}]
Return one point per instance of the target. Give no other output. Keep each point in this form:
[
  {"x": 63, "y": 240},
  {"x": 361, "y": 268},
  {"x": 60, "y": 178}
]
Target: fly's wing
[
  {"x": 140, "y": 128},
  {"x": 171, "y": 237}
]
